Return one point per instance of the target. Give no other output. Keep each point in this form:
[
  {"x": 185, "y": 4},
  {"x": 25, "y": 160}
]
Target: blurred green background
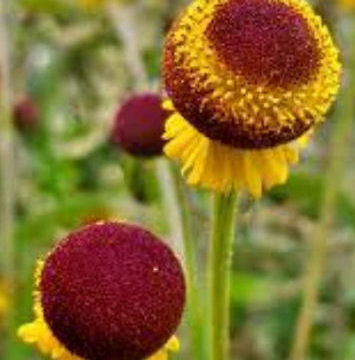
[{"x": 71, "y": 65}]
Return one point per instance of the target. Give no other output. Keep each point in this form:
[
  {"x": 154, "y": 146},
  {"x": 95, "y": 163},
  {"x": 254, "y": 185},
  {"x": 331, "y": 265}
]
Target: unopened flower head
[
  {"x": 109, "y": 291},
  {"x": 139, "y": 125},
  {"x": 25, "y": 114},
  {"x": 248, "y": 79}
]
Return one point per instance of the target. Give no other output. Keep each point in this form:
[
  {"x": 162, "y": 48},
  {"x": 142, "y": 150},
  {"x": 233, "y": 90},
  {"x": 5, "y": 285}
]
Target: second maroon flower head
[
  {"x": 112, "y": 291},
  {"x": 139, "y": 125}
]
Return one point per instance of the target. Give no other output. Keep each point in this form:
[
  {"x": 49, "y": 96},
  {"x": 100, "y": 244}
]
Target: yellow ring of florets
[{"x": 222, "y": 168}]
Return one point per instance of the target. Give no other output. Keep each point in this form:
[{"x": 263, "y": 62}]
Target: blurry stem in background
[
  {"x": 219, "y": 275},
  {"x": 177, "y": 205},
  {"x": 122, "y": 17},
  {"x": 170, "y": 199},
  {"x": 7, "y": 175},
  {"x": 318, "y": 242},
  {"x": 7, "y": 196}
]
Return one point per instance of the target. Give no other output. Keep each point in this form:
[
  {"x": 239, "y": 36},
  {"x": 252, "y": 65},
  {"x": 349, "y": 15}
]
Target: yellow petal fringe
[
  {"x": 221, "y": 168},
  {"x": 38, "y": 333}
]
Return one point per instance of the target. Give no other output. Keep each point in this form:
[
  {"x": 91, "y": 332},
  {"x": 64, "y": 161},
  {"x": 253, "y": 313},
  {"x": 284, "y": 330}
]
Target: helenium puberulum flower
[
  {"x": 25, "y": 114},
  {"x": 109, "y": 291},
  {"x": 248, "y": 81},
  {"x": 139, "y": 125}
]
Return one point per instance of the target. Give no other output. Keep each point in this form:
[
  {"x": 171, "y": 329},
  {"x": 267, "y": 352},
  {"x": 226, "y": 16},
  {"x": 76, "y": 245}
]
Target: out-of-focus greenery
[{"x": 71, "y": 64}]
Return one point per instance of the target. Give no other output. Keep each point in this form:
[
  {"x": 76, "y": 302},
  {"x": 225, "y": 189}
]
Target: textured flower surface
[
  {"x": 110, "y": 291},
  {"x": 139, "y": 125},
  {"x": 248, "y": 81}
]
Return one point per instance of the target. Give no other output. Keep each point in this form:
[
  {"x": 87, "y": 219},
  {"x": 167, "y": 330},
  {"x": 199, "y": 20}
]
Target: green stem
[
  {"x": 122, "y": 17},
  {"x": 180, "y": 223},
  {"x": 196, "y": 306},
  {"x": 7, "y": 189},
  {"x": 7, "y": 176},
  {"x": 171, "y": 205},
  {"x": 318, "y": 250},
  {"x": 219, "y": 273}
]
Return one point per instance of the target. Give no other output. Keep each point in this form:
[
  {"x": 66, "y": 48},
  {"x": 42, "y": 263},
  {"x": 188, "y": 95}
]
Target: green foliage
[{"x": 305, "y": 192}]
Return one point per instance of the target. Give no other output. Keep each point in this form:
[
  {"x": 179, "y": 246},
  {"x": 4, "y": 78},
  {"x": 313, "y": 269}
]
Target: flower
[
  {"x": 25, "y": 114},
  {"x": 108, "y": 291},
  {"x": 139, "y": 125},
  {"x": 248, "y": 80}
]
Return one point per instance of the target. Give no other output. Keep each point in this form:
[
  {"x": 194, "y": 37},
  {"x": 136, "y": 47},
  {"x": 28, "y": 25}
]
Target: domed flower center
[
  {"x": 266, "y": 42},
  {"x": 112, "y": 292}
]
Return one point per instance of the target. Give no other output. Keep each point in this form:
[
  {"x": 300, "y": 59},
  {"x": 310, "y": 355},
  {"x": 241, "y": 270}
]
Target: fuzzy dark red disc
[
  {"x": 267, "y": 42},
  {"x": 25, "y": 114},
  {"x": 139, "y": 125},
  {"x": 112, "y": 291},
  {"x": 188, "y": 99}
]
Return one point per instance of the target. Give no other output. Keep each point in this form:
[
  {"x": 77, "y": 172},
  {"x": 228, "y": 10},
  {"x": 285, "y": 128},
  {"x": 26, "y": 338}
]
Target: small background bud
[
  {"x": 25, "y": 114},
  {"x": 139, "y": 125}
]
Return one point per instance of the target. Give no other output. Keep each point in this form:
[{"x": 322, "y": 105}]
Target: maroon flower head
[
  {"x": 139, "y": 125},
  {"x": 112, "y": 291},
  {"x": 25, "y": 114}
]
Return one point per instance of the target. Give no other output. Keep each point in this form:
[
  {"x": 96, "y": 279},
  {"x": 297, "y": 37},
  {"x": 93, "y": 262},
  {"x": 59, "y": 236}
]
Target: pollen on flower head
[
  {"x": 139, "y": 125},
  {"x": 251, "y": 74},
  {"x": 102, "y": 297},
  {"x": 265, "y": 42}
]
